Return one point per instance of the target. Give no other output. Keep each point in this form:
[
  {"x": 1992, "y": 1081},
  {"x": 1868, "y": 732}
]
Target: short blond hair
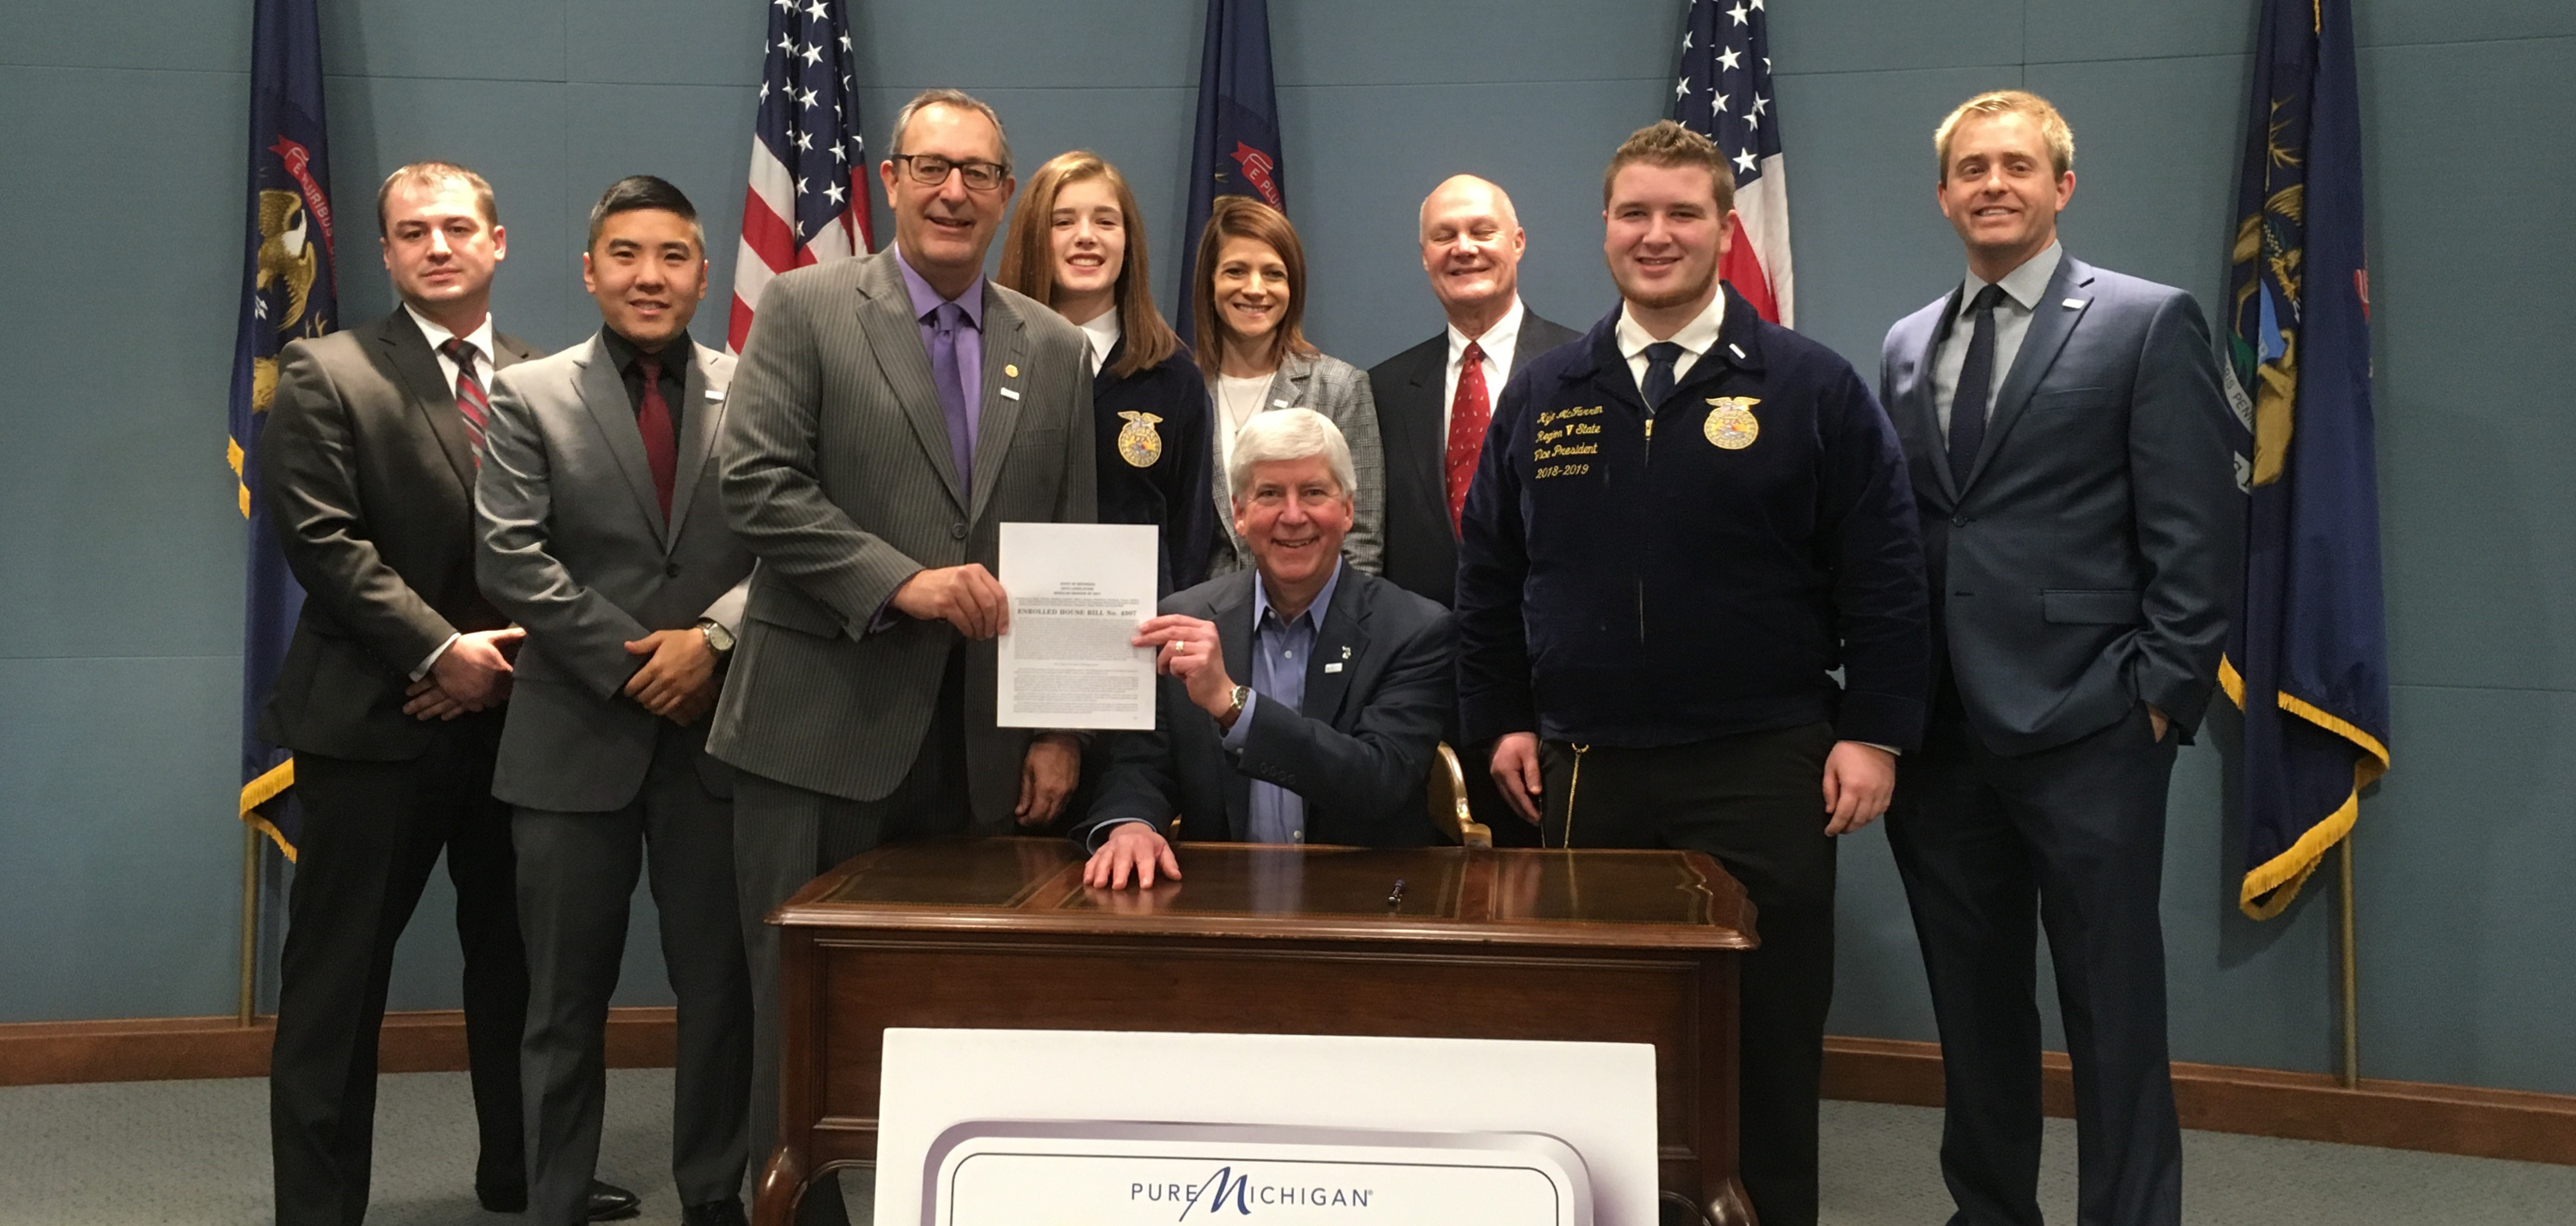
[
  {"x": 2052, "y": 126},
  {"x": 431, "y": 174},
  {"x": 1669, "y": 145}
]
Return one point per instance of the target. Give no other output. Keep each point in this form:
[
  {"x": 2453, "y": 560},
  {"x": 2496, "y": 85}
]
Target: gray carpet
[{"x": 196, "y": 1152}]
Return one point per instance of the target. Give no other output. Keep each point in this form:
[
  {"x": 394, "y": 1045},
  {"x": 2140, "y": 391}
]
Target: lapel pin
[
  {"x": 1010, "y": 393},
  {"x": 1738, "y": 350},
  {"x": 1346, "y": 653},
  {"x": 1010, "y": 371},
  {"x": 715, "y": 393},
  {"x": 2073, "y": 304},
  {"x": 1334, "y": 667}
]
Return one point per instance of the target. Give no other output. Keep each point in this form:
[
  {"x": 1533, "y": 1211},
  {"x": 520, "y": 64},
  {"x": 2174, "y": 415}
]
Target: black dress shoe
[
  {"x": 609, "y": 1203},
  {"x": 502, "y": 1200},
  {"x": 727, "y": 1212}
]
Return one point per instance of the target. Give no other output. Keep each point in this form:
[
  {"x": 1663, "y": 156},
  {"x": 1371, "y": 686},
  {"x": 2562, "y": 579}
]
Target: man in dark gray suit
[
  {"x": 389, "y": 695},
  {"x": 604, "y": 536},
  {"x": 2083, "y": 532},
  {"x": 890, "y": 412},
  {"x": 1302, "y": 701},
  {"x": 1435, "y": 399}
]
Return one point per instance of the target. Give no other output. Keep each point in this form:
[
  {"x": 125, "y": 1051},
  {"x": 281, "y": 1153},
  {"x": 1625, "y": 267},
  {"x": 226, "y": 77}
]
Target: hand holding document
[{"x": 1078, "y": 592}]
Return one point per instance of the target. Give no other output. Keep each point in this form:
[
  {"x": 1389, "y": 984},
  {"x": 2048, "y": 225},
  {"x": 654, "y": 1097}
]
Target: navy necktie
[
  {"x": 1660, "y": 357},
  {"x": 1976, "y": 376}
]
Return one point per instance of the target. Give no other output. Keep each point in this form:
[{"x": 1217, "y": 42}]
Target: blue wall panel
[{"x": 122, "y": 585}]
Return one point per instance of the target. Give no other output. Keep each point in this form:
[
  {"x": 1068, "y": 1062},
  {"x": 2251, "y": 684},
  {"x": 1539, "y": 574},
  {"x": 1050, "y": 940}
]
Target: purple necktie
[{"x": 951, "y": 386}]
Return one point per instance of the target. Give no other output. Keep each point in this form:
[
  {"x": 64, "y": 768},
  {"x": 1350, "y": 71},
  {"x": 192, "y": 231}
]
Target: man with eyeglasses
[{"x": 888, "y": 414}]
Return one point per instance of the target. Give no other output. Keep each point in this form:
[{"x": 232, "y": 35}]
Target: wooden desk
[{"x": 1605, "y": 946}]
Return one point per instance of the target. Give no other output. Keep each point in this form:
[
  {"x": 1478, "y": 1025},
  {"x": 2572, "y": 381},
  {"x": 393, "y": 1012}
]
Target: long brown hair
[
  {"x": 1245, "y": 217},
  {"x": 1028, "y": 258}
]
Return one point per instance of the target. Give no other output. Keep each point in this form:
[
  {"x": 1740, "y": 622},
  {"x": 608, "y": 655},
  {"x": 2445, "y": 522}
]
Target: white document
[
  {"x": 1058, "y": 1128},
  {"x": 1078, "y": 592}
]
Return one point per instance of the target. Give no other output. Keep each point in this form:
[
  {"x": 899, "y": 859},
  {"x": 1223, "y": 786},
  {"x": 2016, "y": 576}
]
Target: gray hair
[
  {"x": 961, "y": 100},
  {"x": 1290, "y": 434}
]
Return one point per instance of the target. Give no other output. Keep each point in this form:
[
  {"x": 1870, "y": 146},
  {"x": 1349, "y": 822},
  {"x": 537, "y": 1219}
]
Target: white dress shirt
[
  {"x": 2022, "y": 288},
  {"x": 1103, "y": 333},
  {"x": 480, "y": 339},
  {"x": 1498, "y": 343},
  {"x": 1696, "y": 337}
]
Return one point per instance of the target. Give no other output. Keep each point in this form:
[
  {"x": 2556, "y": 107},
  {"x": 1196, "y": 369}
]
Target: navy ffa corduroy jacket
[{"x": 1640, "y": 579}]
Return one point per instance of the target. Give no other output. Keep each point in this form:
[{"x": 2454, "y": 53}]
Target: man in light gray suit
[
  {"x": 891, "y": 411},
  {"x": 2082, "y": 534},
  {"x": 604, "y": 535}
]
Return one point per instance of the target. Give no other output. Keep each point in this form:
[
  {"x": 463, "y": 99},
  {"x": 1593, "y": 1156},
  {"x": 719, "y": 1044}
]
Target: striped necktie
[{"x": 470, "y": 400}]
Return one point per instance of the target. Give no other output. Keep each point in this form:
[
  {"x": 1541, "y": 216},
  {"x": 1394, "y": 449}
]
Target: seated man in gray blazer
[
  {"x": 1301, "y": 701},
  {"x": 604, "y": 535}
]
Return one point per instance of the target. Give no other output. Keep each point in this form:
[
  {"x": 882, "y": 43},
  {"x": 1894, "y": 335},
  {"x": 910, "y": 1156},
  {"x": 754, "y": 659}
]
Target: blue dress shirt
[{"x": 1280, "y": 651}]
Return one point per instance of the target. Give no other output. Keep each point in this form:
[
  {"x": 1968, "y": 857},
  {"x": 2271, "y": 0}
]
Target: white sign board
[{"x": 1093, "y": 1128}]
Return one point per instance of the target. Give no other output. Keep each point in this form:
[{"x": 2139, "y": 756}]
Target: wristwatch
[
  {"x": 1242, "y": 695},
  {"x": 719, "y": 639}
]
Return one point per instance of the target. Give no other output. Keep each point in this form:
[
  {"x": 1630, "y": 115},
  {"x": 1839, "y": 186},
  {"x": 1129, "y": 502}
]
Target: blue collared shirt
[
  {"x": 1280, "y": 654},
  {"x": 970, "y": 349}
]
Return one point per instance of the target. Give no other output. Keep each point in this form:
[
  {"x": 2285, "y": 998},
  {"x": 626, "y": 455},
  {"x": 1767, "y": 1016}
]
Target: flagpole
[
  {"x": 2351, "y": 953},
  {"x": 243, "y": 1011}
]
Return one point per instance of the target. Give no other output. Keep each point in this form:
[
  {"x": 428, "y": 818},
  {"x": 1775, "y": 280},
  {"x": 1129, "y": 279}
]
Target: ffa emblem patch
[
  {"x": 1731, "y": 424},
  {"x": 1138, "y": 444}
]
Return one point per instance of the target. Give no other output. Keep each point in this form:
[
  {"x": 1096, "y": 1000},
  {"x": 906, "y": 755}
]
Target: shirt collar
[
  {"x": 480, "y": 338},
  {"x": 1323, "y": 599},
  {"x": 623, "y": 353},
  {"x": 1696, "y": 337},
  {"x": 1104, "y": 333},
  {"x": 1508, "y": 327},
  {"x": 2023, "y": 285},
  {"x": 925, "y": 299}
]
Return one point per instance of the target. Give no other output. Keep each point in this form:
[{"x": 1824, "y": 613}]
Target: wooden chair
[{"x": 1446, "y": 794}]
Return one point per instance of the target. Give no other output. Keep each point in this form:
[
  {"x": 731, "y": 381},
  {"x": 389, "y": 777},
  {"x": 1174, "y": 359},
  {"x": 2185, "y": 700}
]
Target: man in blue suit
[{"x": 2082, "y": 531}]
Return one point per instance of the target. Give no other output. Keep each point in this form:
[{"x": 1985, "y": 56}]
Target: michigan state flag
[
  {"x": 2308, "y": 657},
  {"x": 1235, "y": 151},
  {"x": 288, "y": 292}
]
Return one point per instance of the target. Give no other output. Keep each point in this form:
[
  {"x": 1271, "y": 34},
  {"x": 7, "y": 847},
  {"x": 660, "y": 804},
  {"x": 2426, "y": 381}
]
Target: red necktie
[
  {"x": 661, "y": 447},
  {"x": 1469, "y": 412},
  {"x": 470, "y": 401}
]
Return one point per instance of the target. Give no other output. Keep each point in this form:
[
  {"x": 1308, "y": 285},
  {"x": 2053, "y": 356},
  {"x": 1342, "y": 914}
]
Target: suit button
[
  {"x": 1958, "y": 521},
  {"x": 671, "y": 571},
  {"x": 957, "y": 532}
]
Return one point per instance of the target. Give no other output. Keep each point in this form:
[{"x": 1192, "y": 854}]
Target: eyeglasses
[{"x": 931, "y": 170}]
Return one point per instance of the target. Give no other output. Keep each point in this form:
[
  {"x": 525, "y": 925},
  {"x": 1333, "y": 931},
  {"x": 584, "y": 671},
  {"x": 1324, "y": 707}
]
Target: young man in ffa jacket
[
  {"x": 1301, "y": 701},
  {"x": 2071, "y": 462},
  {"x": 604, "y": 535},
  {"x": 1680, "y": 528}
]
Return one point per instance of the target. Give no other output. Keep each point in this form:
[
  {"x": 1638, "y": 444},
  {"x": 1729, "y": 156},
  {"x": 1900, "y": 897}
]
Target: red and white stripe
[
  {"x": 1757, "y": 264},
  {"x": 769, "y": 245}
]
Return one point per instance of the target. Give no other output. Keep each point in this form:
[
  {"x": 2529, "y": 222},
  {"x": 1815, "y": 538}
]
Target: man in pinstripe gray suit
[{"x": 889, "y": 413}]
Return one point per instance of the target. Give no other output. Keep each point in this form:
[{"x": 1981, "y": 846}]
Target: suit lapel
[
  {"x": 1006, "y": 346},
  {"x": 1233, "y": 609},
  {"x": 416, "y": 368},
  {"x": 894, "y": 336},
  {"x": 1288, "y": 387},
  {"x": 2060, "y": 306},
  {"x": 603, "y": 396},
  {"x": 1921, "y": 416},
  {"x": 1339, "y": 641},
  {"x": 700, "y": 416}
]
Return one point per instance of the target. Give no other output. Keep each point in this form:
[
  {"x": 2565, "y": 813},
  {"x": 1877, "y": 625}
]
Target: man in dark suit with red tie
[
  {"x": 1435, "y": 400},
  {"x": 390, "y": 697}
]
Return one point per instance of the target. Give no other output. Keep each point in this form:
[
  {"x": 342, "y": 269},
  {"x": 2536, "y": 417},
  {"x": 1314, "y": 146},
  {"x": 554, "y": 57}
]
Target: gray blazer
[
  {"x": 836, "y": 471},
  {"x": 2090, "y": 560},
  {"x": 574, "y": 548},
  {"x": 1340, "y": 391}
]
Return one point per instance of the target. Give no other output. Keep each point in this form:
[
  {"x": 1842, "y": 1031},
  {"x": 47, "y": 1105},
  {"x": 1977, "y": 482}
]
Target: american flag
[
  {"x": 808, "y": 200},
  {"x": 1724, "y": 93}
]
